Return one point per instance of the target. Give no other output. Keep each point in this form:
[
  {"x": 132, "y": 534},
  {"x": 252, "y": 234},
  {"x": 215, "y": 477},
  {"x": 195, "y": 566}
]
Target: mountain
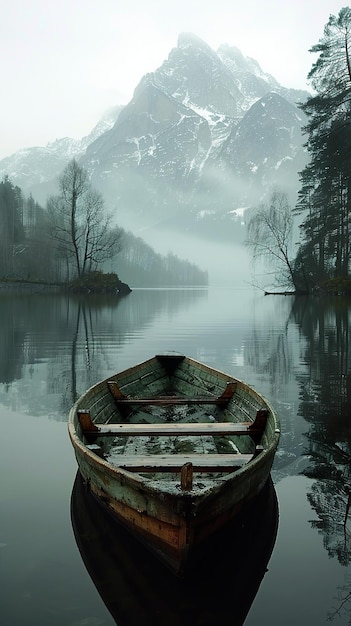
[
  {"x": 205, "y": 135},
  {"x": 265, "y": 148},
  {"x": 29, "y": 168}
]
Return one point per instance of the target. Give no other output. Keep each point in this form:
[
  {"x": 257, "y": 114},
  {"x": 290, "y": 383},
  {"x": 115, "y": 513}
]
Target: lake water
[{"x": 294, "y": 351}]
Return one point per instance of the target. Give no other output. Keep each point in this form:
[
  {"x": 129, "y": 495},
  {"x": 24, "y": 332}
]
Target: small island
[{"x": 99, "y": 283}]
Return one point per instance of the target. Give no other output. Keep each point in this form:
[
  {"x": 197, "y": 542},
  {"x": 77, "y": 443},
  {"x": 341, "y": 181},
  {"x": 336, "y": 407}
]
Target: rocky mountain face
[
  {"x": 30, "y": 168},
  {"x": 204, "y": 136}
]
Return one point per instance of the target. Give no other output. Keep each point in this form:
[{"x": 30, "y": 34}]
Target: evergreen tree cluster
[
  {"x": 322, "y": 256},
  {"x": 141, "y": 266},
  {"x": 23, "y": 235},
  {"x": 325, "y": 195}
]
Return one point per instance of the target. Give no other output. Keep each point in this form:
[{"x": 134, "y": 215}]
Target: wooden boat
[
  {"x": 137, "y": 589},
  {"x": 174, "y": 449}
]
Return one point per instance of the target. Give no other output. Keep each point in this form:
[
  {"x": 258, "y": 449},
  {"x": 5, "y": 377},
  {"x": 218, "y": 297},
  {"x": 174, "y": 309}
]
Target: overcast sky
[{"x": 64, "y": 62}]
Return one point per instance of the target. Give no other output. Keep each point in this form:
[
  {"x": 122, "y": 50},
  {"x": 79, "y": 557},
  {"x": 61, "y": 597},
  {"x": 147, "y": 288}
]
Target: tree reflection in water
[
  {"x": 325, "y": 403},
  {"x": 321, "y": 327}
]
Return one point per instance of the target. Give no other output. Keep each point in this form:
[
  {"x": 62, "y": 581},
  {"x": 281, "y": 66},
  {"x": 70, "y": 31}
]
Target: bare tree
[
  {"x": 269, "y": 237},
  {"x": 80, "y": 225}
]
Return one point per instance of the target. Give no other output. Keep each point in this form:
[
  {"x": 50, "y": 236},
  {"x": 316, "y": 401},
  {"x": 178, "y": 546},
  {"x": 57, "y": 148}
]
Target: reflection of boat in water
[
  {"x": 139, "y": 590},
  {"x": 174, "y": 449}
]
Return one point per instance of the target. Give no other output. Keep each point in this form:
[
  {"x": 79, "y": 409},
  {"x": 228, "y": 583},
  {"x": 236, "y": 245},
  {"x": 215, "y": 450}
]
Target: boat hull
[
  {"x": 173, "y": 523},
  {"x": 138, "y": 589}
]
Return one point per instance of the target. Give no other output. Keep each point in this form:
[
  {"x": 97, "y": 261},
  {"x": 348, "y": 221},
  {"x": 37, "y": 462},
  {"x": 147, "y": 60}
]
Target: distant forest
[{"x": 47, "y": 245}]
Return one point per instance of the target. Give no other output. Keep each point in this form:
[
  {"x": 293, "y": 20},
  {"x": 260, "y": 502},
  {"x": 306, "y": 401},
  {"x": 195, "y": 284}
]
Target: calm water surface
[{"x": 293, "y": 351}]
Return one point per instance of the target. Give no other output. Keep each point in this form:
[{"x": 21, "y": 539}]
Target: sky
[{"x": 64, "y": 63}]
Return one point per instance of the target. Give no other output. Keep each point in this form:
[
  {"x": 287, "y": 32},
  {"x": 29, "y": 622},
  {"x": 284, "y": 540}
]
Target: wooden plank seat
[
  {"x": 175, "y": 462},
  {"x": 174, "y": 430},
  {"x": 221, "y": 400},
  {"x": 253, "y": 429},
  {"x": 185, "y": 464}
]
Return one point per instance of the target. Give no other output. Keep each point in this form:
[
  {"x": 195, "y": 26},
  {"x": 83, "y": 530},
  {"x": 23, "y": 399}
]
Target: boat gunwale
[{"x": 138, "y": 481}]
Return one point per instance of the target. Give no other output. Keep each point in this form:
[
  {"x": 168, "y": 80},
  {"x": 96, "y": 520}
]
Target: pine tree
[
  {"x": 11, "y": 225},
  {"x": 325, "y": 194}
]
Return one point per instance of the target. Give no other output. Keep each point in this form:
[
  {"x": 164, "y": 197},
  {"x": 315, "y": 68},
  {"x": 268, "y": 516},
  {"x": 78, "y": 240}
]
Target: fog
[{"x": 227, "y": 264}]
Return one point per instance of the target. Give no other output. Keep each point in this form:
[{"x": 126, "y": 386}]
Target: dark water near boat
[{"x": 296, "y": 352}]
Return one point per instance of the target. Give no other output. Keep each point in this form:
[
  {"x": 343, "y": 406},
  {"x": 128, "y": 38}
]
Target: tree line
[
  {"x": 322, "y": 257},
  {"x": 75, "y": 236},
  {"x": 143, "y": 266}
]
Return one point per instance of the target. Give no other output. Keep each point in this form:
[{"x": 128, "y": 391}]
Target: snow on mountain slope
[
  {"x": 206, "y": 133},
  {"x": 30, "y": 167}
]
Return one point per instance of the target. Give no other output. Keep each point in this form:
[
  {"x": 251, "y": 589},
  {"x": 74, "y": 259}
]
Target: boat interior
[{"x": 173, "y": 415}]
